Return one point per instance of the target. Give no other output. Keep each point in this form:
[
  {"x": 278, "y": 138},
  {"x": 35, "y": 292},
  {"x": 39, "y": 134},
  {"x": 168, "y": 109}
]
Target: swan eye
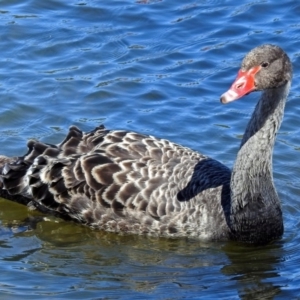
[{"x": 265, "y": 64}]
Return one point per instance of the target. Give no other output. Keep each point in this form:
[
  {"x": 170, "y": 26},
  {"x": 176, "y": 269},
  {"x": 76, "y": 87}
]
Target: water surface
[{"x": 159, "y": 68}]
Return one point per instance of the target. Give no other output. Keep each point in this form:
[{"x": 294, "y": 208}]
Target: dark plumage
[{"x": 128, "y": 182}]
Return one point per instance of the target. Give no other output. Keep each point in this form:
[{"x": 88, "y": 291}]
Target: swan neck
[
  {"x": 267, "y": 116},
  {"x": 257, "y": 145},
  {"x": 252, "y": 187}
]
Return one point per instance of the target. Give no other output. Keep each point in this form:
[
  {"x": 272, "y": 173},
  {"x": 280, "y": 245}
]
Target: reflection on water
[
  {"x": 83, "y": 261},
  {"x": 252, "y": 267}
]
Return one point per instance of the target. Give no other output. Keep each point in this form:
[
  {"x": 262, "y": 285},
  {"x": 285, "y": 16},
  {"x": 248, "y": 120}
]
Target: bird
[{"x": 131, "y": 183}]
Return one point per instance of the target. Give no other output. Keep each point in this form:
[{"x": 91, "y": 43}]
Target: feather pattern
[{"x": 123, "y": 181}]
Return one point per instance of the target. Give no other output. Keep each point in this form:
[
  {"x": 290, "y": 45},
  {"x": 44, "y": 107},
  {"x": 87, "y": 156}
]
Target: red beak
[{"x": 243, "y": 85}]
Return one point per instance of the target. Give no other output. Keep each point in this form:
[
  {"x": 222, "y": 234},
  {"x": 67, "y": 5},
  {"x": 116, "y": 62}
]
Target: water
[{"x": 156, "y": 67}]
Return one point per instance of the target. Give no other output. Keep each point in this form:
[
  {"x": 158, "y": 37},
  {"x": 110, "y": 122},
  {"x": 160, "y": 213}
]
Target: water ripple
[{"x": 158, "y": 68}]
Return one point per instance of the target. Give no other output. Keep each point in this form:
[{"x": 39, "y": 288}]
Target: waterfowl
[{"x": 127, "y": 182}]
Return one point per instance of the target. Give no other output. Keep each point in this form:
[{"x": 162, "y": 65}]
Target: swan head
[{"x": 265, "y": 67}]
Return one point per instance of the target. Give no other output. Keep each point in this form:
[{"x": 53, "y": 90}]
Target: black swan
[{"x": 127, "y": 182}]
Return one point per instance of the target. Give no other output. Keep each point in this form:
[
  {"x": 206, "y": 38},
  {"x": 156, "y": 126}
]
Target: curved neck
[
  {"x": 252, "y": 188},
  {"x": 266, "y": 118}
]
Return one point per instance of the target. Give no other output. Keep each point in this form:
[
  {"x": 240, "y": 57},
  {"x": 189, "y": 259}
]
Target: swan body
[{"x": 127, "y": 182}]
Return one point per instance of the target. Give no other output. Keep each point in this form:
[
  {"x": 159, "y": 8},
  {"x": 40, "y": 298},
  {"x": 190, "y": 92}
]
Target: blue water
[{"x": 156, "y": 67}]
